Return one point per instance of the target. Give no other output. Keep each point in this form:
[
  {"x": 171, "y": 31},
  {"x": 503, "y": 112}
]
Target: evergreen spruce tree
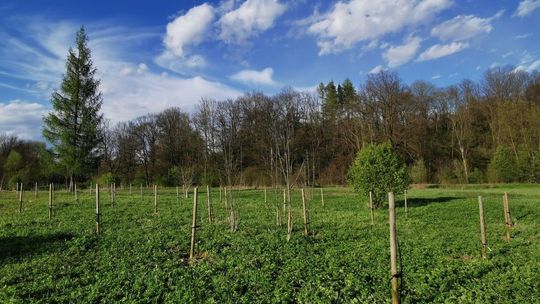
[{"x": 73, "y": 127}]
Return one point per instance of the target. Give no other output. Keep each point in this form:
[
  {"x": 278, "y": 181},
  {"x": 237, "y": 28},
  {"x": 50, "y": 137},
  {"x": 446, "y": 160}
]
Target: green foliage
[
  {"x": 418, "y": 172},
  {"x": 142, "y": 257},
  {"x": 476, "y": 176},
  {"x": 377, "y": 168},
  {"x": 503, "y": 166},
  {"x": 72, "y": 127},
  {"x": 14, "y": 162},
  {"x": 109, "y": 178}
]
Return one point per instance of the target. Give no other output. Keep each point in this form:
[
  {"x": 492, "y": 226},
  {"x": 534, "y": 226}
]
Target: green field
[{"x": 142, "y": 256}]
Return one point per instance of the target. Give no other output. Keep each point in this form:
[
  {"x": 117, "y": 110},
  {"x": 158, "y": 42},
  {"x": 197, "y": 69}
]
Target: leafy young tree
[
  {"x": 503, "y": 166},
  {"x": 377, "y": 168},
  {"x": 73, "y": 126}
]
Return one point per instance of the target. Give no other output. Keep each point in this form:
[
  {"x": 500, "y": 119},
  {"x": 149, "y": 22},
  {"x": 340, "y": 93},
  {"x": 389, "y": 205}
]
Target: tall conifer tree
[{"x": 73, "y": 127}]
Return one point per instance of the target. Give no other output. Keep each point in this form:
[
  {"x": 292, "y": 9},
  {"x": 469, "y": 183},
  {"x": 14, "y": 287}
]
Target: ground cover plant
[{"x": 143, "y": 257}]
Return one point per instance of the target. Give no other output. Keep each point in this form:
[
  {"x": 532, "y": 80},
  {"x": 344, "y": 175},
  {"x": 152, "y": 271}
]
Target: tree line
[{"x": 470, "y": 132}]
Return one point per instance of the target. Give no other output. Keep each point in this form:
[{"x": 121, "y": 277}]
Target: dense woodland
[{"x": 471, "y": 132}]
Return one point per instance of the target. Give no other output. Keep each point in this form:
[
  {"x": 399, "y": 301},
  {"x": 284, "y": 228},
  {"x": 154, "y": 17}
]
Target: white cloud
[
  {"x": 139, "y": 70},
  {"x": 350, "y": 22},
  {"x": 526, "y": 7},
  {"x": 523, "y": 36},
  {"x": 435, "y": 77},
  {"x": 188, "y": 29},
  {"x": 137, "y": 95},
  {"x": 463, "y": 27},
  {"x": 22, "y": 118},
  {"x": 263, "y": 77},
  {"x": 252, "y": 17},
  {"x": 182, "y": 65},
  {"x": 441, "y": 50},
  {"x": 398, "y": 55},
  {"x": 376, "y": 69},
  {"x": 534, "y": 66},
  {"x": 130, "y": 87}
]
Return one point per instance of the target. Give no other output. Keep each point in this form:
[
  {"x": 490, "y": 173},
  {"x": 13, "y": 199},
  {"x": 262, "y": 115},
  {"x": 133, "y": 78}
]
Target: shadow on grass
[
  {"x": 418, "y": 202},
  {"x": 22, "y": 246}
]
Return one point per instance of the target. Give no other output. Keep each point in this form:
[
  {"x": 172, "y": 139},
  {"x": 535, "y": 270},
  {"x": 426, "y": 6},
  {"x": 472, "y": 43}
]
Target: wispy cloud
[
  {"x": 22, "y": 118},
  {"x": 130, "y": 88},
  {"x": 354, "y": 21},
  {"x": 400, "y": 54},
  {"x": 263, "y": 77},
  {"x": 442, "y": 50},
  {"x": 526, "y": 7},
  {"x": 463, "y": 27}
]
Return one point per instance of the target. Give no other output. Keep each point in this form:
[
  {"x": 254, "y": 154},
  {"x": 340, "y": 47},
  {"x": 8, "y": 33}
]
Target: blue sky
[{"x": 152, "y": 55}]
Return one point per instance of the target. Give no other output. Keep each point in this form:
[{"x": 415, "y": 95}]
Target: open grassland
[{"x": 142, "y": 256}]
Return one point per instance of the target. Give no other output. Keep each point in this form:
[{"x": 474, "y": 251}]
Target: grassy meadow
[{"x": 143, "y": 257}]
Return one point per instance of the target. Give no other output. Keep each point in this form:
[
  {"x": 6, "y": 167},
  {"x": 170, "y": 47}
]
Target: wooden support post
[
  {"x": 482, "y": 227},
  {"x": 322, "y": 196},
  {"x": 278, "y": 218},
  {"x": 76, "y": 193},
  {"x": 155, "y": 198},
  {"x": 194, "y": 223},
  {"x": 141, "y": 193},
  {"x": 209, "y": 204},
  {"x": 284, "y": 201},
  {"x": 220, "y": 189},
  {"x": 393, "y": 248},
  {"x": 265, "y": 197},
  {"x": 35, "y": 191},
  {"x": 507, "y": 219},
  {"x": 98, "y": 212},
  {"x": 177, "y": 194},
  {"x": 50, "y": 200},
  {"x": 289, "y": 222},
  {"x": 406, "y": 212},
  {"x": 304, "y": 207},
  {"x": 112, "y": 194},
  {"x": 371, "y": 207},
  {"x": 130, "y": 189},
  {"x": 21, "y": 199}
]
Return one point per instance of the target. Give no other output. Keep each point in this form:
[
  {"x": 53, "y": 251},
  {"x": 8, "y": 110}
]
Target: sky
[{"x": 152, "y": 55}]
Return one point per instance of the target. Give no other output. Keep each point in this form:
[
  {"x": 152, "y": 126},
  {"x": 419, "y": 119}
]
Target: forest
[{"x": 471, "y": 132}]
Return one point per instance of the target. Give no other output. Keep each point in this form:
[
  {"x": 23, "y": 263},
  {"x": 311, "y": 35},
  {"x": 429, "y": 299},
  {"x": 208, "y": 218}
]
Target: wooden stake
[
  {"x": 265, "y": 200},
  {"x": 406, "y": 212},
  {"x": 393, "y": 248},
  {"x": 278, "y": 218},
  {"x": 141, "y": 194},
  {"x": 35, "y": 191},
  {"x": 289, "y": 222},
  {"x": 306, "y": 222},
  {"x": 177, "y": 194},
  {"x": 322, "y": 196},
  {"x": 98, "y": 212},
  {"x": 76, "y": 194},
  {"x": 482, "y": 227},
  {"x": 371, "y": 207},
  {"x": 50, "y": 200},
  {"x": 284, "y": 201},
  {"x": 155, "y": 198},
  {"x": 507, "y": 219},
  {"x": 209, "y": 204},
  {"x": 194, "y": 223},
  {"x": 130, "y": 189},
  {"x": 21, "y": 199},
  {"x": 220, "y": 199}
]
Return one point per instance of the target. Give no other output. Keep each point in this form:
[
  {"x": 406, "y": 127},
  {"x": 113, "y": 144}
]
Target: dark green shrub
[
  {"x": 503, "y": 166},
  {"x": 377, "y": 168}
]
